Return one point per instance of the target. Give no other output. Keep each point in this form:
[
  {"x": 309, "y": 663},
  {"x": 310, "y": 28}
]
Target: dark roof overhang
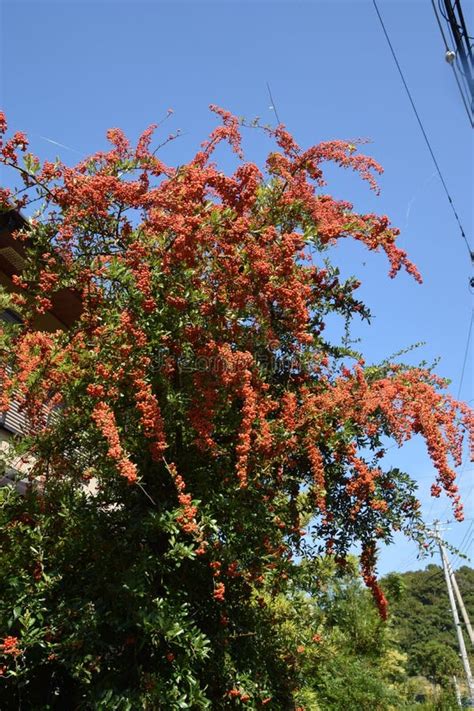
[{"x": 66, "y": 303}]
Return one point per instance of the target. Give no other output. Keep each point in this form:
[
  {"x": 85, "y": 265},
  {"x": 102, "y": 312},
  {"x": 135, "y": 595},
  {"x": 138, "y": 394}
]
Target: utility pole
[
  {"x": 458, "y": 691},
  {"x": 457, "y": 623},
  {"x": 462, "y": 607}
]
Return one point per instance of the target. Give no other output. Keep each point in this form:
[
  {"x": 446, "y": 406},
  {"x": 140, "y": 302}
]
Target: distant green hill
[{"x": 422, "y": 622}]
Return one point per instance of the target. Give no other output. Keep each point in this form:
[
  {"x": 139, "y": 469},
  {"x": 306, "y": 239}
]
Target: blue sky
[{"x": 70, "y": 70}]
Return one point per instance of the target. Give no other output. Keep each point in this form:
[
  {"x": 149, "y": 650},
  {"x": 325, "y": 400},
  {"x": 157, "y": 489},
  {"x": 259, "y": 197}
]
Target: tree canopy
[
  {"x": 422, "y": 616},
  {"x": 194, "y": 435}
]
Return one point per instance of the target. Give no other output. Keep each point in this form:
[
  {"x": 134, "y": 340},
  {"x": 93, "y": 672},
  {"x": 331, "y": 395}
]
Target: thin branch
[{"x": 146, "y": 493}]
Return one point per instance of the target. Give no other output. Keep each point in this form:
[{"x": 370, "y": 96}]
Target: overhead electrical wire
[
  {"x": 461, "y": 28},
  {"x": 443, "y": 182},
  {"x": 273, "y": 105},
  {"x": 466, "y": 353},
  {"x": 459, "y": 476},
  {"x": 438, "y": 169},
  {"x": 447, "y": 47},
  {"x": 466, "y": 536},
  {"x": 463, "y": 547},
  {"x": 461, "y": 380},
  {"x": 455, "y": 47},
  {"x": 464, "y": 555}
]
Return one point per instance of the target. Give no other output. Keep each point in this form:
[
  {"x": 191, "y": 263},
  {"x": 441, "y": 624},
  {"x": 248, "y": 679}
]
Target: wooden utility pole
[
  {"x": 462, "y": 607},
  {"x": 454, "y": 610},
  {"x": 457, "y": 691}
]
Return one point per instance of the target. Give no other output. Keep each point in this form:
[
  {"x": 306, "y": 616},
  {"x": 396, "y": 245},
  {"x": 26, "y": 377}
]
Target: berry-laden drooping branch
[{"x": 198, "y": 369}]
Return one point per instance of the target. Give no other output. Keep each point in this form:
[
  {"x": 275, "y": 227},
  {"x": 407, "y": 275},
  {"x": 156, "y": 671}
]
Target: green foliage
[
  {"x": 93, "y": 592},
  {"x": 352, "y": 661},
  {"x": 424, "y": 628},
  {"x": 104, "y": 612},
  {"x": 188, "y": 424}
]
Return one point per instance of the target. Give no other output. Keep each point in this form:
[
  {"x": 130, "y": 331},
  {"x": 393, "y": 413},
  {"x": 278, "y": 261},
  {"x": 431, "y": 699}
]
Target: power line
[
  {"x": 465, "y": 536},
  {"x": 464, "y": 554},
  {"x": 452, "y": 65},
  {"x": 465, "y": 80},
  {"x": 459, "y": 33},
  {"x": 443, "y": 182},
  {"x": 471, "y": 253},
  {"x": 459, "y": 476},
  {"x": 273, "y": 105},
  {"x": 463, "y": 548},
  {"x": 466, "y": 353},
  {"x": 464, "y": 31}
]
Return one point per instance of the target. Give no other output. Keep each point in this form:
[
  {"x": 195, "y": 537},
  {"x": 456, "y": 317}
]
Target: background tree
[
  {"x": 355, "y": 663},
  {"x": 191, "y": 419},
  {"x": 423, "y": 624}
]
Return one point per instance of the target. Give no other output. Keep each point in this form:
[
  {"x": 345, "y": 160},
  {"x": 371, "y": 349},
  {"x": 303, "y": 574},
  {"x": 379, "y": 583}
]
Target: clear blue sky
[{"x": 70, "y": 70}]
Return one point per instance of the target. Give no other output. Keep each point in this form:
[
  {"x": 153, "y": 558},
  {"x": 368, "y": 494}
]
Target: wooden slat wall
[{"x": 14, "y": 421}]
